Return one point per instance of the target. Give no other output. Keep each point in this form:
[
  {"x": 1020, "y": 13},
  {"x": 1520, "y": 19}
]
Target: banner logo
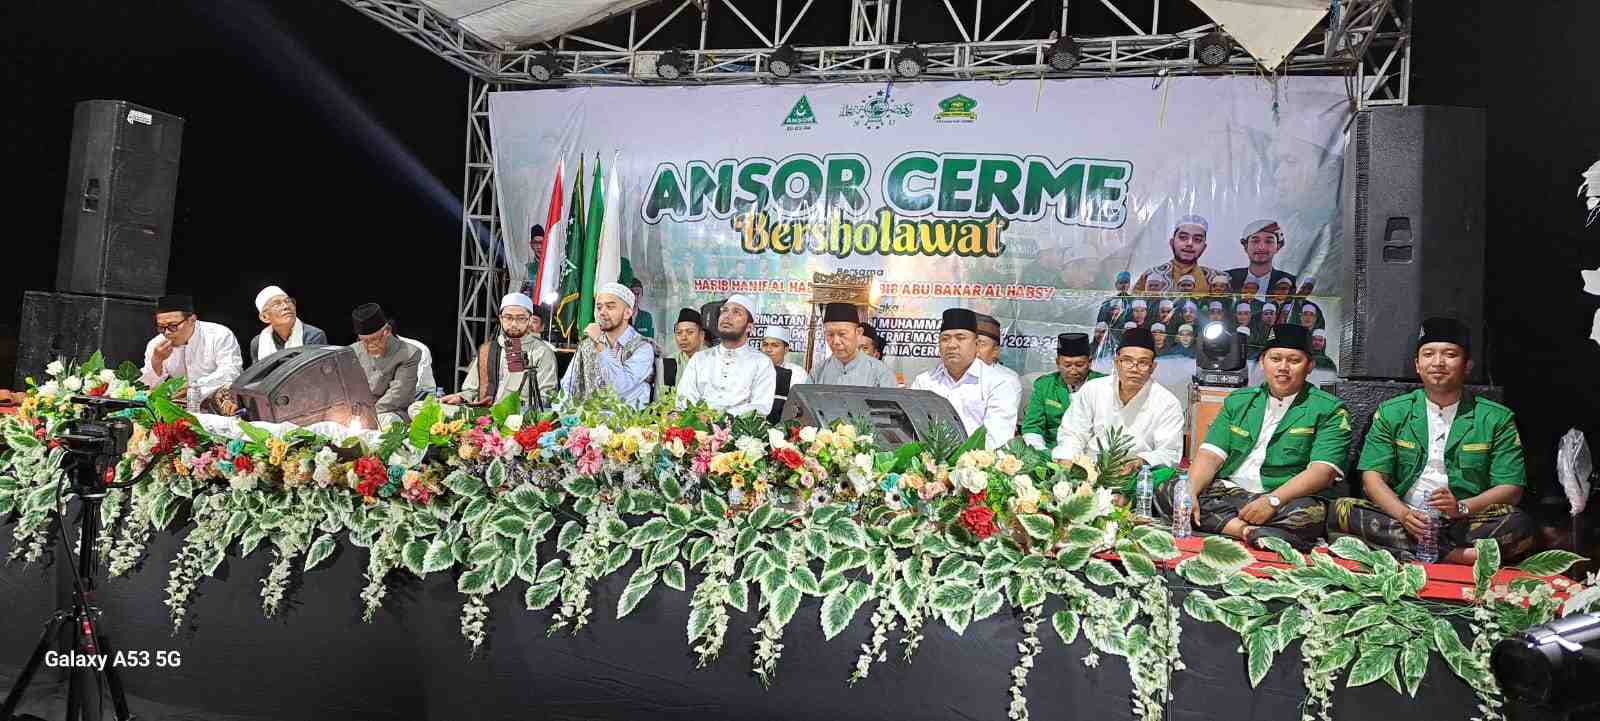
[
  {"x": 956, "y": 109},
  {"x": 876, "y": 112},
  {"x": 800, "y": 116}
]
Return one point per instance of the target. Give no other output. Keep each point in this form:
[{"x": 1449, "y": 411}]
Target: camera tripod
[{"x": 86, "y": 469}]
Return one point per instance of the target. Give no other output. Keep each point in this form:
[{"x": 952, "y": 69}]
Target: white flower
[
  {"x": 600, "y": 434},
  {"x": 49, "y": 389},
  {"x": 776, "y": 440},
  {"x": 860, "y": 473},
  {"x": 1026, "y": 492},
  {"x": 73, "y": 383},
  {"x": 107, "y": 375},
  {"x": 245, "y": 482},
  {"x": 647, "y": 446},
  {"x": 1103, "y": 503},
  {"x": 55, "y": 368},
  {"x": 1062, "y": 491},
  {"x": 970, "y": 479},
  {"x": 808, "y": 434},
  {"x": 753, "y": 447},
  {"x": 326, "y": 457},
  {"x": 514, "y": 421},
  {"x": 121, "y": 390}
]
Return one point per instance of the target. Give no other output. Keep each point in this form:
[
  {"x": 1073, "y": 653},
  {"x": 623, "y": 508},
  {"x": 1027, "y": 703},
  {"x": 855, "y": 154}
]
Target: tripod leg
[
  {"x": 52, "y": 629},
  {"x": 113, "y": 680}
]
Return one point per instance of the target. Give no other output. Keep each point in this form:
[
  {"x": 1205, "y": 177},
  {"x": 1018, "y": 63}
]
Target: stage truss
[{"x": 1368, "y": 41}]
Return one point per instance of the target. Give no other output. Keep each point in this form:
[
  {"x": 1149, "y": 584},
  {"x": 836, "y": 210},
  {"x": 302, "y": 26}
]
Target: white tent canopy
[{"x": 517, "y": 23}]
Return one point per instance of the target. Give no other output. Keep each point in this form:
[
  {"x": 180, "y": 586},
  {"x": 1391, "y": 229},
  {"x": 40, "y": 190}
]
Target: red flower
[
  {"x": 373, "y": 475},
  {"x": 528, "y": 437},
  {"x": 243, "y": 463},
  {"x": 169, "y": 436},
  {"x": 680, "y": 433},
  {"x": 789, "y": 457},
  {"x": 99, "y": 390},
  {"x": 979, "y": 520},
  {"x": 981, "y": 498}
]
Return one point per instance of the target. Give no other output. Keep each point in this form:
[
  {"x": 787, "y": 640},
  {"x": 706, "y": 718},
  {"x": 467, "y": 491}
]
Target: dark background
[{"x": 324, "y": 153}]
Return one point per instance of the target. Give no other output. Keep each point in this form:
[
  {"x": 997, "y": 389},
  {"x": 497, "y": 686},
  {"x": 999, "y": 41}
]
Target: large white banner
[{"x": 1054, "y": 206}]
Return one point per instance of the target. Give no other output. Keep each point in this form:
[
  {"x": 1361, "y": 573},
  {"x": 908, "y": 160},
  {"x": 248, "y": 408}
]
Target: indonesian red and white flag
[{"x": 547, "y": 286}]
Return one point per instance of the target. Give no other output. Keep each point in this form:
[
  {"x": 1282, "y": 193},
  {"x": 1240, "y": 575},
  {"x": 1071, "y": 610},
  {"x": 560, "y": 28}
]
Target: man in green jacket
[
  {"x": 1053, "y": 393},
  {"x": 1269, "y": 452},
  {"x": 1442, "y": 448}
]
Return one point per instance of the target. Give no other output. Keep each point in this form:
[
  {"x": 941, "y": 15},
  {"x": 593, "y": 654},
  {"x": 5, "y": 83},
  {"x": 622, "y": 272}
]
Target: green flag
[
  {"x": 566, "y": 310},
  {"x": 591, "y": 248}
]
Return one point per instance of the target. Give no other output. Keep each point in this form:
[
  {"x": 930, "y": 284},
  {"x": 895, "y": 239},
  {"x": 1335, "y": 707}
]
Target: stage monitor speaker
[
  {"x": 305, "y": 385},
  {"x": 899, "y": 415},
  {"x": 64, "y": 325},
  {"x": 1413, "y": 213},
  {"x": 122, "y": 179}
]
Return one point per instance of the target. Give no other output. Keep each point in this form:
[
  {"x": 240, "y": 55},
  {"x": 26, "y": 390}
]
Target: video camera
[{"x": 96, "y": 441}]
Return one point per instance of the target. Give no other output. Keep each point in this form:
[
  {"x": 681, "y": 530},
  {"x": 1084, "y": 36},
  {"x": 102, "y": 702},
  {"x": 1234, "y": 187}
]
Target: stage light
[
  {"x": 544, "y": 67},
  {"x": 910, "y": 61},
  {"x": 1219, "y": 356},
  {"x": 1213, "y": 49},
  {"x": 783, "y": 61},
  {"x": 671, "y": 65},
  {"x": 1062, "y": 54},
  {"x": 1554, "y": 666}
]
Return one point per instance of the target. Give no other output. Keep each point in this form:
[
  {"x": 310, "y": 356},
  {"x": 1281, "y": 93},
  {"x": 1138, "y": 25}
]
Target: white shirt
[
  {"x": 736, "y": 381},
  {"x": 210, "y": 360},
  {"x": 1154, "y": 418},
  {"x": 1248, "y": 476},
  {"x": 797, "y": 374},
  {"x": 425, "y": 384},
  {"x": 1433, "y": 476},
  {"x": 1262, "y": 286},
  {"x": 985, "y": 396}
]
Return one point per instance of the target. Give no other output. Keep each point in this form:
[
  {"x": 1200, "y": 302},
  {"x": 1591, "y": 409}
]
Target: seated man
[
  {"x": 1145, "y": 411},
  {"x": 425, "y": 384},
  {"x": 390, "y": 365},
  {"x": 989, "y": 347},
  {"x": 1270, "y": 450},
  {"x": 612, "y": 354},
  {"x": 850, "y": 364},
  {"x": 1052, "y": 393},
  {"x": 205, "y": 354},
  {"x": 1440, "y": 447},
  {"x": 283, "y": 327},
  {"x": 732, "y": 376},
  {"x": 775, "y": 345},
  {"x": 513, "y": 361},
  {"x": 689, "y": 336},
  {"x": 983, "y": 396}
]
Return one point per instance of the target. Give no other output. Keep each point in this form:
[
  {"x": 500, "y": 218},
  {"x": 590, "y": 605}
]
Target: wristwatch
[
  {"x": 1461, "y": 508},
  {"x": 1272, "y": 500}
]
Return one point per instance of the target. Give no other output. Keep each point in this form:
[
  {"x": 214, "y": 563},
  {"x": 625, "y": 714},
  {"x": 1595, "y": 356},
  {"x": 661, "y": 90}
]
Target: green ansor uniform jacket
[
  {"x": 1047, "y": 404},
  {"x": 1315, "y": 428},
  {"x": 1482, "y": 450}
]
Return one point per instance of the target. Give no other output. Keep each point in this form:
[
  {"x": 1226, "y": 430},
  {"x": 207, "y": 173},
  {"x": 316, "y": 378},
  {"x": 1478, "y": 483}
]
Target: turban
[
  {"x": 368, "y": 318},
  {"x": 516, "y": 300},
  {"x": 266, "y": 295},
  {"x": 743, "y": 301},
  {"x": 1194, "y": 220},
  {"x": 778, "y": 332},
  {"x": 620, "y": 291},
  {"x": 1263, "y": 226}
]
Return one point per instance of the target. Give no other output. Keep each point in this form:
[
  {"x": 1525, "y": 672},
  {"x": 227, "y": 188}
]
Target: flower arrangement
[{"x": 743, "y": 516}]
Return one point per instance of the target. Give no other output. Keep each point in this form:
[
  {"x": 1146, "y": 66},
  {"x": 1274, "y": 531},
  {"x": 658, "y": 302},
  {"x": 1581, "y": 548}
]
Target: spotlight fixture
[
  {"x": 1062, "y": 54},
  {"x": 910, "y": 61},
  {"x": 1213, "y": 49},
  {"x": 1553, "y": 666},
  {"x": 671, "y": 64},
  {"x": 1219, "y": 356},
  {"x": 783, "y": 61},
  {"x": 544, "y": 67}
]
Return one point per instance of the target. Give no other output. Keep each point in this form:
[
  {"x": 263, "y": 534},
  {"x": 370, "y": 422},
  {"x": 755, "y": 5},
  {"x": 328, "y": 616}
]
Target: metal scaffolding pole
[{"x": 482, "y": 242}]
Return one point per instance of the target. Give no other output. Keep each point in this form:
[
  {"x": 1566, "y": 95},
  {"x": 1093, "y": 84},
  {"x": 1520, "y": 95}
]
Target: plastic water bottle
[
  {"x": 1182, "y": 510},
  {"x": 1144, "y": 495},
  {"x": 1428, "y": 544}
]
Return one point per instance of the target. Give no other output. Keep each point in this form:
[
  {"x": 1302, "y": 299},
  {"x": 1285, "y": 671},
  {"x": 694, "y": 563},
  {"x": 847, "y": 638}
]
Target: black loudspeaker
[
  {"x": 900, "y": 415},
  {"x": 305, "y": 385},
  {"x": 1413, "y": 212},
  {"x": 709, "y": 313},
  {"x": 116, "y": 223},
  {"x": 63, "y": 325},
  {"x": 1362, "y": 398}
]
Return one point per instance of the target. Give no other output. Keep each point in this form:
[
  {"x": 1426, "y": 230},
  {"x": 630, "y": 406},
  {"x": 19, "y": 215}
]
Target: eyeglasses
[
  {"x": 515, "y": 317},
  {"x": 1136, "y": 364},
  {"x": 280, "y": 303},
  {"x": 170, "y": 328}
]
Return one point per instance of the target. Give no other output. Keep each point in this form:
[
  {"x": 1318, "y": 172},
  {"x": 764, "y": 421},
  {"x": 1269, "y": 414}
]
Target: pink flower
[
  {"x": 932, "y": 490},
  {"x": 589, "y": 463},
  {"x": 578, "y": 441},
  {"x": 702, "y": 462},
  {"x": 493, "y": 445},
  {"x": 418, "y": 493}
]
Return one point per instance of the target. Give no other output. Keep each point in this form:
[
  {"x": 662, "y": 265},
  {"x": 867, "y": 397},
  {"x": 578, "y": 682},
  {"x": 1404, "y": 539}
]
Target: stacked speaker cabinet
[
  {"x": 1413, "y": 215},
  {"x": 116, "y": 226}
]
